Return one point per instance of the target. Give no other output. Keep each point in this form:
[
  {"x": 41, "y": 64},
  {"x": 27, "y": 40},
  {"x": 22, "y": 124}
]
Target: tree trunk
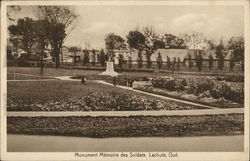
[
  {"x": 41, "y": 63},
  {"x": 41, "y": 57},
  {"x": 61, "y": 57},
  {"x": 74, "y": 58},
  {"x": 149, "y": 63},
  {"x": 57, "y": 52}
]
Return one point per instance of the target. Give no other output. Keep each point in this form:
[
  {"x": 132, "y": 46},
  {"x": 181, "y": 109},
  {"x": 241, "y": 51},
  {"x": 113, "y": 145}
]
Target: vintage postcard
[{"x": 125, "y": 80}]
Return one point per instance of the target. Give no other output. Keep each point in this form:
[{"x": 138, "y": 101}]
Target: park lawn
[
  {"x": 60, "y": 95},
  {"x": 133, "y": 126},
  {"x": 56, "y": 90},
  {"x": 93, "y": 74},
  {"x": 51, "y": 71},
  {"x": 13, "y": 76}
]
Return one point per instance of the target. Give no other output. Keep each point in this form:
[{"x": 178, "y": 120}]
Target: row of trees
[
  {"x": 54, "y": 23},
  {"x": 148, "y": 41},
  {"x": 102, "y": 57},
  {"x": 51, "y": 28},
  {"x": 176, "y": 62}
]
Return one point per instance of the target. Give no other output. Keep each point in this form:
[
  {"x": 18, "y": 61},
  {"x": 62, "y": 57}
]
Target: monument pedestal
[{"x": 110, "y": 70}]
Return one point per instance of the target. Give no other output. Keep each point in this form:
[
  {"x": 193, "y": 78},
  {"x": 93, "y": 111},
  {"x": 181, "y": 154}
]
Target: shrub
[
  {"x": 208, "y": 88},
  {"x": 210, "y": 62},
  {"x": 170, "y": 84},
  {"x": 140, "y": 60},
  {"x": 159, "y": 60},
  {"x": 121, "y": 58},
  {"x": 231, "y": 78},
  {"x": 168, "y": 62},
  {"x": 190, "y": 63},
  {"x": 129, "y": 62}
]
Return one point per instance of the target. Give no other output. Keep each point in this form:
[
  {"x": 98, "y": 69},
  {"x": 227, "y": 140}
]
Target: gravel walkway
[
  {"x": 160, "y": 96},
  {"x": 126, "y": 113},
  {"x": 32, "y": 80},
  {"x": 32, "y": 75},
  {"x": 211, "y": 111}
]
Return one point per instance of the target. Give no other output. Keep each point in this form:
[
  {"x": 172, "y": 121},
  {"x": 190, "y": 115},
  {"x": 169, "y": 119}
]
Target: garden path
[
  {"x": 32, "y": 75},
  {"x": 31, "y": 80},
  {"x": 160, "y": 96},
  {"x": 209, "y": 111},
  {"x": 125, "y": 113},
  {"x": 68, "y": 78}
]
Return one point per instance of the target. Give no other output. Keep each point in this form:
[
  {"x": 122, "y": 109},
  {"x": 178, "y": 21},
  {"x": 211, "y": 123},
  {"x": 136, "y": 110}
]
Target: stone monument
[{"x": 110, "y": 70}]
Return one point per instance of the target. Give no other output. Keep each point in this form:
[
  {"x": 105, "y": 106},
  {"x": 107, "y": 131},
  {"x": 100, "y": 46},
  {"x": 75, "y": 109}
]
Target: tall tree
[
  {"x": 60, "y": 20},
  {"x": 178, "y": 63},
  {"x": 121, "y": 58},
  {"x": 236, "y": 44},
  {"x": 196, "y": 42},
  {"x": 41, "y": 27},
  {"x": 140, "y": 60},
  {"x": 102, "y": 58},
  {"x": 93, "y": 57},
  {"x": 129, "y": 62},
  {"x": 151, "y": 43},
  {"x": 173, "y": 65},
  {"x": 168, "y": 62},
  {"x": 23, "y": 33},
  {"x": 190, "y": 63},
  {"x": 220, "y": 54},
  {"x": 231, "y": 63},
  {"x": 173, "y": 42},
  {"x": 112, "y": 42},
  {"x": 159, "y": 60},
  {"x": 86, "y": 57},
  {"x": 210, "y": 62},
  {"x": 199, "y": 62},
  {"x": 136, "y": 40}
]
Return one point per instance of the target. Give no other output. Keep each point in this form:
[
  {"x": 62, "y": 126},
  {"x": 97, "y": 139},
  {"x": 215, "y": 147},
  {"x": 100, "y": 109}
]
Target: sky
[{"x": 95, "y": 22}]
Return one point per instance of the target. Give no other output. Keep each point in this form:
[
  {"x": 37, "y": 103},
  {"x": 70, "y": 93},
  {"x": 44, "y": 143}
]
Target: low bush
[
  {"x": 225, "y": 91},
  {"x": 231, "y": 78},
  {"x": 170, "y": 84},
  {"x": 209, "y": 88}
]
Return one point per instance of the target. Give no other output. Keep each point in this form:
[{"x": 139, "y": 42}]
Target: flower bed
[
  {"x": 72, "y": 96},
  {"x": 101, "y": 101},
  {"x": 162, "y": 126},
  {"x": 215, "y": 91}
]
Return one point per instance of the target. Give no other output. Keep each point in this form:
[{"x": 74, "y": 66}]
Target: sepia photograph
[{"x": 123, "y": 77}]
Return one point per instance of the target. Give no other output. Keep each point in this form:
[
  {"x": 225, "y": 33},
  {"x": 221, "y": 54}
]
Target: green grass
[{"x": 134, "y": 126}]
